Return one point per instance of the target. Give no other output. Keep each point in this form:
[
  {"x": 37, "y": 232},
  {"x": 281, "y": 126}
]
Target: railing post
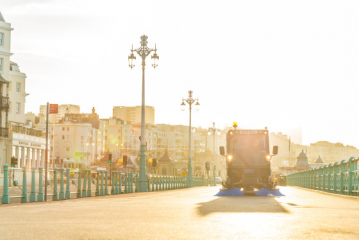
[
  {"x": 330, "y": 167},
  {"x": 106, "y": 182},
  {"x": 162, "y": 182},
  {"x": 24, "y": 186},
  {"x": 102, "y": 190},
  {"x": 342, "y": 176},
  {"x": 128, "y": 182},
  {"x": 335, "y": 172},
  {"x": 171, "y": 182},
  {"x": 125, "y": 182},
  {"x": 89, "y": 179},
  {"x": 120, "y": 182},
  {"x": 79, "y": 193},
  {"x": 113, "y": 190},
  {"x": 97, "y": 193},
  {"x": 350, "y": 174},
  {"x": 136, "y": 182},
  {"x": 167, "y": 182},
  {"x": 156, "y": 182},
  {"x": 62, "y": 193},
  {"x": 68, "y": 194},
  {"x": 132, "y": 182},
  {"x": 33, "y": 193},
  {"x": 55, "y": 195},
  {"x": 5, "y": 197},
  {"x": 40, "y": 195},
  {"x": 84, "y": 192},
  {"x": 153, "y": 183}
]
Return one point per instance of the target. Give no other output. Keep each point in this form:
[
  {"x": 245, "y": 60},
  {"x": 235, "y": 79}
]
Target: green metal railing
[
  {"x": 65, "y": 184},
  {"x": 340, "y": 178}
]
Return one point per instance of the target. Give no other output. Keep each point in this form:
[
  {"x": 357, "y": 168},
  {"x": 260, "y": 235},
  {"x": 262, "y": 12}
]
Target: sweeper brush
[
  {"x": 230, "y": 192},
  {"x": 269, "y": 192},
  {"x": 260, "y": 192}
]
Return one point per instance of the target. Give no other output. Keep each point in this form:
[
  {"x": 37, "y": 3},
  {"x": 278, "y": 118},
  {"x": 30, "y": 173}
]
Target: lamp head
[
  {"x": 131, "y": 59},
  {"x": 183, "y": 106},
  {"x": 155, "y": 58},
  {"x": 196, "y": 106}
]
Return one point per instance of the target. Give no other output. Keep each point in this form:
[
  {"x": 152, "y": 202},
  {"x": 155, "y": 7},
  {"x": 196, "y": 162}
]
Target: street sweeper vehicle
[{"x": 248, "y": 162}]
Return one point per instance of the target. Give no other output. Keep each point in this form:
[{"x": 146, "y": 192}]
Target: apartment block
[{"x": 132, "y": 115}]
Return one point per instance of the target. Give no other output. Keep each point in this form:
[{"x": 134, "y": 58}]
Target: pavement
[{"x": 185, "y": 214}]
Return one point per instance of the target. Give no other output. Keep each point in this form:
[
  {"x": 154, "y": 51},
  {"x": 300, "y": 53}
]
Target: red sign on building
[{"x": 54, "y": 108}]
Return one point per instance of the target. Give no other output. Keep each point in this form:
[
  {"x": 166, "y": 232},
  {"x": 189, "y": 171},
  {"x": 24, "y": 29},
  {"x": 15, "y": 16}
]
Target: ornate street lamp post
[
  {"x": 143, "y": 51},
  {"x": 213, "y": 130},
  {"x": 190, "y": 100}
]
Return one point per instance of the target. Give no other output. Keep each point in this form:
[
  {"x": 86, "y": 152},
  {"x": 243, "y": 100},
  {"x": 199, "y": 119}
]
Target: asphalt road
[{"x": 185, "y": 214}]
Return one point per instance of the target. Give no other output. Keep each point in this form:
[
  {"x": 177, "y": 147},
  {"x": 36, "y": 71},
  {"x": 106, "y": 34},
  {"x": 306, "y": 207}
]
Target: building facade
[
  {"x": 132, "y": 115},
  {"x": 62, "y": 110},
  {"x": 17, "y": 138}
]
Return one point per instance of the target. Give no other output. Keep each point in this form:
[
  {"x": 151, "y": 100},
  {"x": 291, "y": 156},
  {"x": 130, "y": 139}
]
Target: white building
[
  {"x": 71, "y": 140},
  {"x": 16, "y": 138}
]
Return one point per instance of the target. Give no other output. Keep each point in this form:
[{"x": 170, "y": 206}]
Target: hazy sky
[{"x": 281, "y": 64}]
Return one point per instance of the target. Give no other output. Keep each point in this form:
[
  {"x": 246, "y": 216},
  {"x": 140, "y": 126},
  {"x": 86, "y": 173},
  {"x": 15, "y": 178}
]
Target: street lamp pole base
[
  {"x": 142, "y": 181},
  {"x": 213, "y": 182},
  {"x": 142, "y": 186},
  {"x": 189, "y": 175}
]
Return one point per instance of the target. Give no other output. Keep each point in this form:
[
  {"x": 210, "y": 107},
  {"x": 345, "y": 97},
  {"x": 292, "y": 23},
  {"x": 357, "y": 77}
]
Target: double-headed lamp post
[
  {"x": 143, "y": 51},
  {"x": 190, "y": 100},
  {"x": 214, "y": 130}
]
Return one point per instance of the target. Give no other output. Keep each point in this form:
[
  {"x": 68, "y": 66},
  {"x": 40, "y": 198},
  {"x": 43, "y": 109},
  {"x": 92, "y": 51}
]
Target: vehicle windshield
[{"x": 249, "y": 150}]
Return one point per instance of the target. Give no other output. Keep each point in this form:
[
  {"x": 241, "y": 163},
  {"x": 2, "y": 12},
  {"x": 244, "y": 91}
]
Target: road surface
[{"x": 185, "y": 214}]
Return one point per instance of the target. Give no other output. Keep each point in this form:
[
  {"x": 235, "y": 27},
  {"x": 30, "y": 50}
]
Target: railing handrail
[{"x": 339, "y": 177}]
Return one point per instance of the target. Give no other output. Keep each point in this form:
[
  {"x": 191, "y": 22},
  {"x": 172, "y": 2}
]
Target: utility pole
[{"x": 47, "y": 147}]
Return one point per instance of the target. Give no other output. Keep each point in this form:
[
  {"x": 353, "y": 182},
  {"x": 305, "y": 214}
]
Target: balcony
[
  {"x": 27, "y": 131},
  {"x": 4, "y": 132},
  {"x": 4, "y": 103}
]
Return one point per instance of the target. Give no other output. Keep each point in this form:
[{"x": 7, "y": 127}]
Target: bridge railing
[
  {"x": 340, "y": 178},
  {"x": 69, "y": 183}
]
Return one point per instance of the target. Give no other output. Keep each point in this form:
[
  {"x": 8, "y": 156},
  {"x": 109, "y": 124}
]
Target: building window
[
  {"x": 18, "y": 108},
  {"x": 18, "y": 85},
  {"x": 15, "y": 68},
  {"x": 1, "y": 39},
  {"x": 63, "y": 136},
  {"x": 119, "y": 137},
  {"x": 63, "y": 128},
  {"x": 67, "y": 149},
  {"x": 1, "y": 61},
  {"x": 68, "y": 129}
]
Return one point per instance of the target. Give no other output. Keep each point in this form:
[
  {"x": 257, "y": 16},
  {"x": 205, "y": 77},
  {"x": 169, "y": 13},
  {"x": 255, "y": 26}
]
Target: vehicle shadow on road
[{"x": 243, "y": 204}]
